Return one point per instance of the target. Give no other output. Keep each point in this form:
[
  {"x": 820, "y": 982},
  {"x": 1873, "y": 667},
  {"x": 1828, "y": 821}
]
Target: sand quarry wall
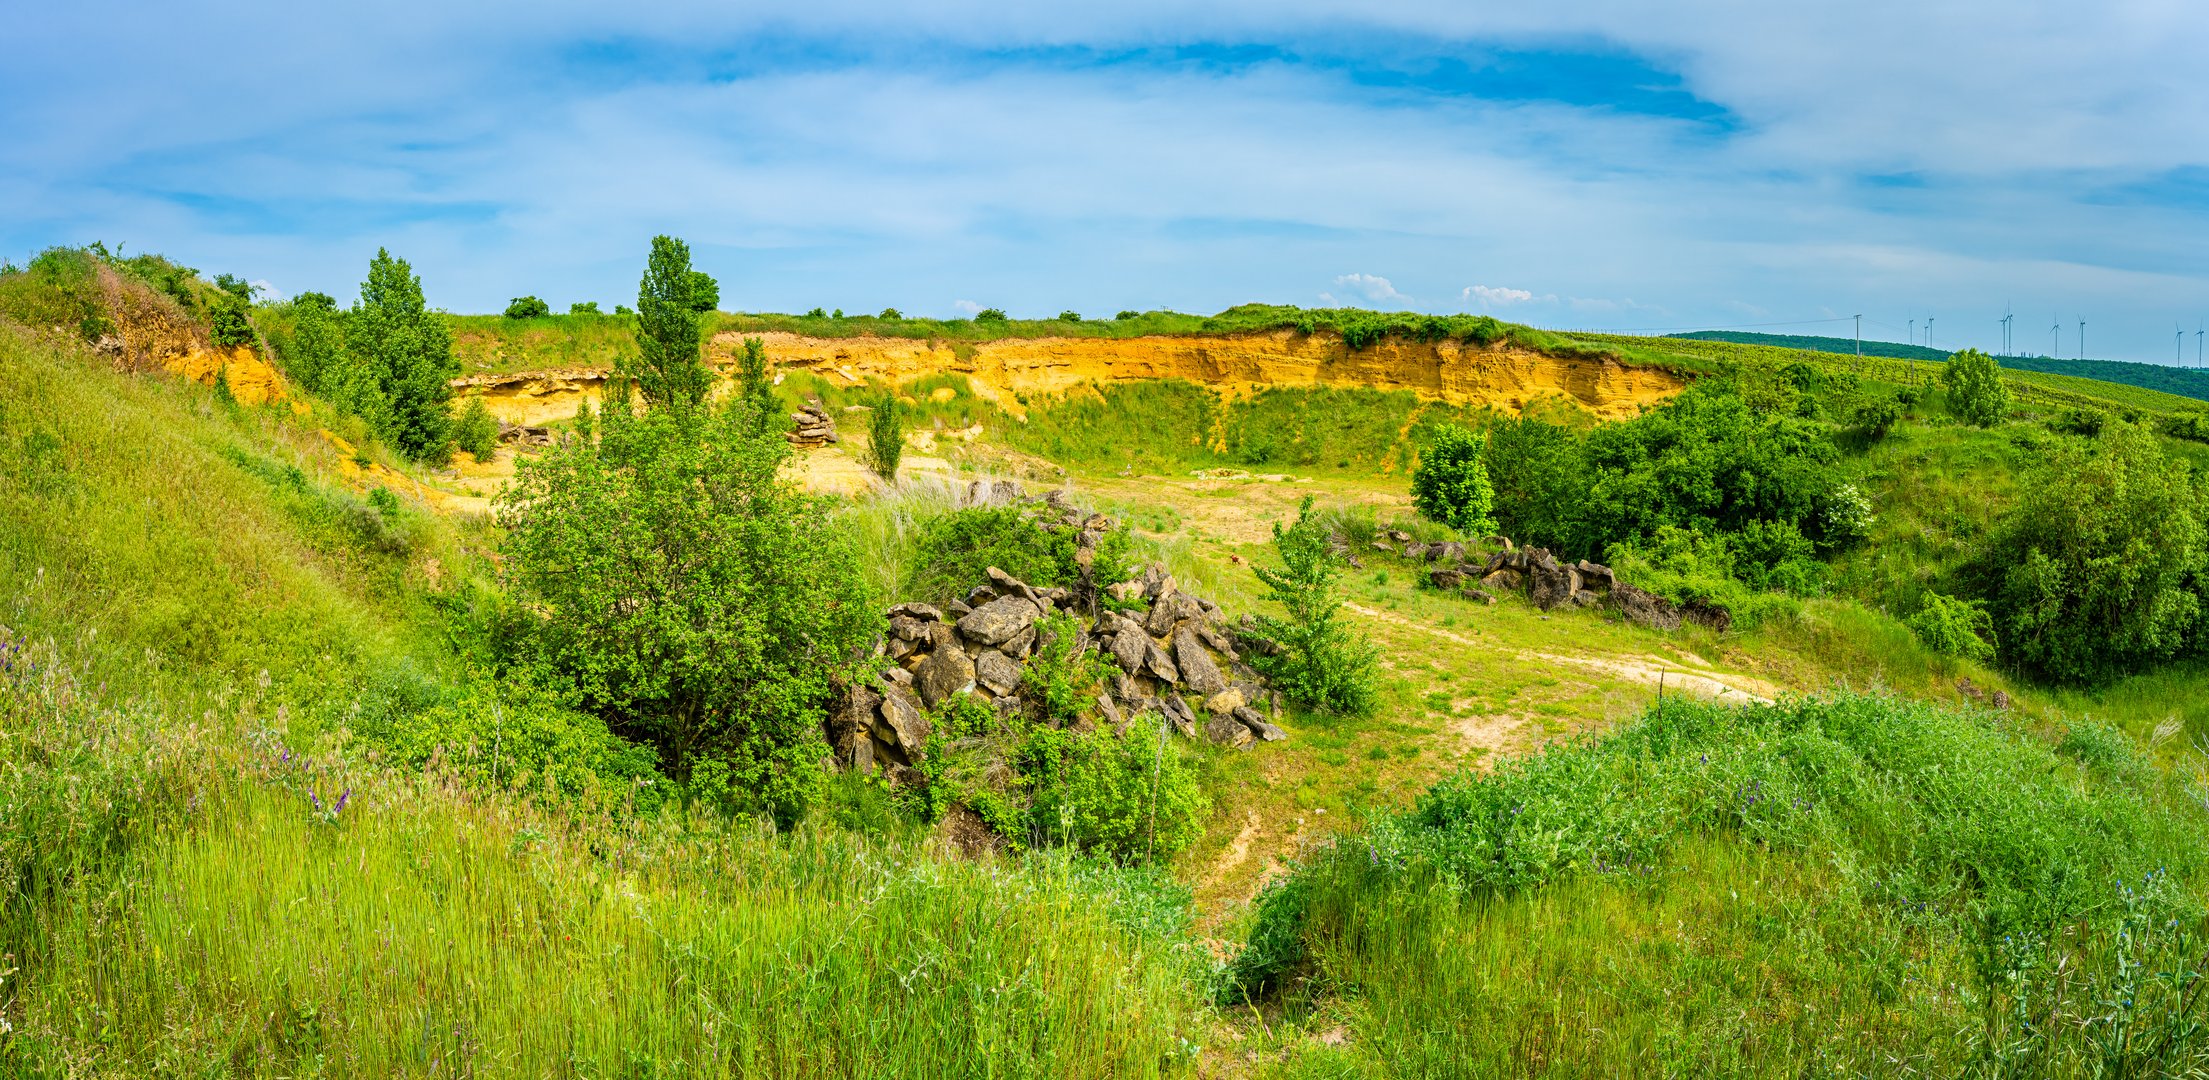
[{"x": 1504, "y": 378}]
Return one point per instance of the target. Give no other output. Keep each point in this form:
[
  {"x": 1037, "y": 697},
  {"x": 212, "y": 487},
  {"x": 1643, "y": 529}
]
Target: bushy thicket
[
  {"x": 955, "y": 551},
  {"x": 1450, "y": 484},
  {"x": 527, "y": 307},
  {"x": 1976, "y": 392},
  {"x": 2098, "y": 569},
  {"x": 691, "y": 595},
  {"x": 1722, "y": 488},
  {"x": 476, "y": 431},
  {"x": 2070, "y": 899}
]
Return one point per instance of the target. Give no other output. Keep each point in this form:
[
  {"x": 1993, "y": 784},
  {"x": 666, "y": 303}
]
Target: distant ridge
[{"x": 2185, "y": 382}]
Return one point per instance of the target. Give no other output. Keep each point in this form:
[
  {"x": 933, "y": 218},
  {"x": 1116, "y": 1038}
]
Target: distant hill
[{"x": 2185, "y": 382}]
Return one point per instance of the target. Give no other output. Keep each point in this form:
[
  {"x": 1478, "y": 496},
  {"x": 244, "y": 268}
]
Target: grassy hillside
[{"x": 2182, "y": 382}]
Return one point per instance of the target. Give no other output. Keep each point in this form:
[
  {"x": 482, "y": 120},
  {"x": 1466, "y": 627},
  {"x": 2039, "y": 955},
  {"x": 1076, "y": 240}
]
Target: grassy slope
[
  {"x": 179, "y": 902},
  {"x": 2183, "y": 382}
]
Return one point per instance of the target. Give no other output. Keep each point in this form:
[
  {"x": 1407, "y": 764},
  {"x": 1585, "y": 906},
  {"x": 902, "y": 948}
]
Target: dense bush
[
  {"x": 583, "y": 307},
  {"x": 2097, "y": 570},
  {"x": 476, "y": 431},
  {"x": 1870, "y": 421},
  {"x": 956, "y": 550},
  {"x": 1954, "y": 627},
  {"x": 229, "y": 323},
  {"x": 1976, "y": 392},
  {"x": 1450, "y": 483},
  {"x": 885, "y": 437},
  {"x": 1324, "y": 665},
  {"x": 1069, "y": 316},
  {"x": 691, "y": 594},
  {"x": 1538, "y": 473},
  {"x": 669, "y": 367},
  {"x": 990, "y": 314},
  {"x": 527, "y": 307},
  {"x": 522, "y": 738}
]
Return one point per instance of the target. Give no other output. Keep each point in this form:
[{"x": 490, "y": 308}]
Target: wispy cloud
[{"x": 1144, "y": 155}]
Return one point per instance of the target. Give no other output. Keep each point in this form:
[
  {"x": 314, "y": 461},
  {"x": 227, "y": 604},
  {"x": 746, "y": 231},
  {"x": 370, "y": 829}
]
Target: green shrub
[
  {"x": 1870, "y": 421},
  {"x": 522, "y": 738},
  {"x": 2096, "y": 571},
  {"x": 583, "y": 307},
  {"x": 690, "y": 594},
  {"x": 1954, "y": 627},
  {"x": 1125, "y": 315},
  {"x": 955, "y": 551},
  {"x": 1846, "y": 519},
  {"x": 1061, "y": 683},
  {"x": 990, "y": 314},
  {"x": 1775, "y": 555},
  {"x": 1450, "y": 484},
  {"x": 476, "y": 431},
  {"x": 527, "y": 307},
  {"x": 885, "y": 437},
  {"x": 1069, "y": 316},
  {"x": 1536, "y": 470},
  {"x": 1324, "y": 665},
  {"x": 1976, "y": 392},
  {"x": 1134, "y": 798},
  {"x": 891, "y": 313}
]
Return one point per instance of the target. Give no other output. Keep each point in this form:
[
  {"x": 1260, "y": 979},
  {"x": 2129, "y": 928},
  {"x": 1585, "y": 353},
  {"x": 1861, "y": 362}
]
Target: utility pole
[{"x": 1859, "y": 338}]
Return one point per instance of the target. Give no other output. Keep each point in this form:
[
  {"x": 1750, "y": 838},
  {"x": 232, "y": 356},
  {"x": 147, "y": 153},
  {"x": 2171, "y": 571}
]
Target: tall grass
[{"x": 1856, "y": 884}]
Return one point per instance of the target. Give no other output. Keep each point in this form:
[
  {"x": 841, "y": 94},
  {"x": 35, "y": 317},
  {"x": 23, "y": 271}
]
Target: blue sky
[{"x": 1600, "y": 165}]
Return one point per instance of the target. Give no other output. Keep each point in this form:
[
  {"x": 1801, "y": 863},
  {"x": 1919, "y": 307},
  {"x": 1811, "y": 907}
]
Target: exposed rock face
[
  {"x": 1197, "y": 668},
  {"x": 996, "y": 672}
]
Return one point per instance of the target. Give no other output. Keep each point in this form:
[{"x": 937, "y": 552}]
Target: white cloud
[
  {"x": 966, "y": 307},
  {"x": 1370, "y": 288},
  {"x": 1496, "y": 295}
]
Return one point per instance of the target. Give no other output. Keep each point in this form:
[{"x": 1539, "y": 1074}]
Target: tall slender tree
[
  {"x": 408, "y": 352},
  {"x": 669, "y": 368}
]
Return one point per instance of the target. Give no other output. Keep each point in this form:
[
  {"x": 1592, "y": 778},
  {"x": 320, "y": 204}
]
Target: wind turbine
[
  {"x": 2082, "y": 339},
  {"x": 2006, "y": 317},
  {"x": 2055, "y": 339},
  {"x": 1913, "y": 332},
  {"x": 1928, "y": 331},
  {"x": 2197, "y": 345}
]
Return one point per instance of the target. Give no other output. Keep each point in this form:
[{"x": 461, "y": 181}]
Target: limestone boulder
[
  {"x": 947, "y": 671},
  {"x": 1198, "y": 670},
  {"x": 999, "y": 620}
]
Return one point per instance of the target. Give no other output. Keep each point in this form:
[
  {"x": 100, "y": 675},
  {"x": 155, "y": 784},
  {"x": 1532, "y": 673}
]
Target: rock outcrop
[
  {"x": 813, "y": 426},
  {"x": 1550, "y": 583}
]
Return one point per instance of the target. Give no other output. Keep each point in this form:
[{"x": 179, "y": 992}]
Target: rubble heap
[
  {"x": 1549, "y": 583},
  {"x": 1170, "y": 652},
  {"x": 814, "y": 428}
]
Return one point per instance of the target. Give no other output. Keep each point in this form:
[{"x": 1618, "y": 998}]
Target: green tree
[
  {"x": 2097, "y": 569},
  {"x": 755, "y": 384},
  {"x": 692, "y": 594},
  {"x": 668, "y": 368},
  {"x": 705, "y": 293},
  {"x": 315, "y": 350},
  {"x": 407, "y": 351},
  {"x": 1324, "y": 665},
  {"x": 527, "y": 307},
  {"x": 1976, "y": 392},
  {"x": 1450, "y": 483},
  {"x": 583, "y": 307},
  {"x": 886, "y": 436}
]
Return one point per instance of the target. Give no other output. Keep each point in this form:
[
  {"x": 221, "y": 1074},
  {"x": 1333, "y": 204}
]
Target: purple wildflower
[{"x": 342, "y": 800}]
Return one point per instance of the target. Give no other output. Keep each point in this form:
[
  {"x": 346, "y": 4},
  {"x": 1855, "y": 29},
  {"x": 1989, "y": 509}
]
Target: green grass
[
  {"x": 1857, "y": 885},
  {"x": 2183, "y": 382}
]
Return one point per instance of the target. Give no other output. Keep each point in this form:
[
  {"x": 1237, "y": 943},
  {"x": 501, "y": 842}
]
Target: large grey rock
[
  {"x": 1160, "y": 664},
  {"x": 1552, "y": 584},
  {"x": 1008, "y": 585},
  {"x": 1110, "y": 710},
  {"x": 1224, "y": 730},
  {"x": 1020, "y": 645},
  {"x": 855, "y": 713},
  {"x": 996, "y": 622},
  {"x": 1160, "y": 621},
  {"x": 903, "y": 727},
  {"x": 1226, "y": 701},
  {"x": 1129, "y": 647},
  {"x": 996, "y": 672},
  {"x": 1445, "y": 578},
  {"x": 1595, "y": 575},
  {"x": 1258, "y": 725},
  {"x": 1446, "y": 551},
  {"x": 924, "y": 612},
  {"x": 1197, "y": 668},
  {"x": 1184, "y": 718},
  {"x": 947, "y": 671},
  {"x": 1644, "y": 608}
]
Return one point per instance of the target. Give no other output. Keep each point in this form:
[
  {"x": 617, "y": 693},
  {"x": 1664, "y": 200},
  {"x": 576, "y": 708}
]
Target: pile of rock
[
  {"x": 524, "y": 435},
  {"x": 1170, "y": 652},
  {"x": 1550, "y": 583},
  {"x": 814, "y": 428}
]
